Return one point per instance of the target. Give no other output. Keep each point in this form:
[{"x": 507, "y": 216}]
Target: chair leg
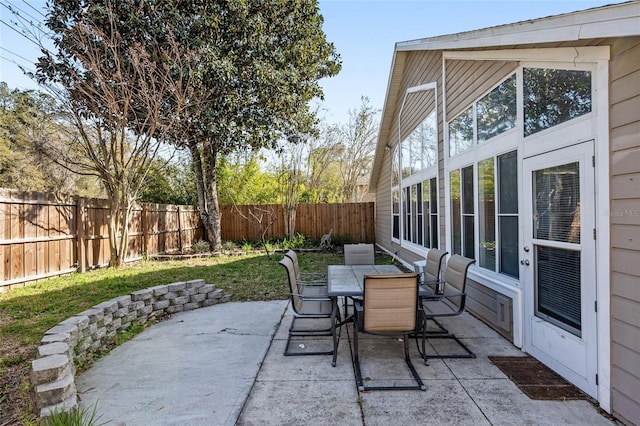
[
  {"x": 356, "y": 358},
  {"x": 293, "y": 332},
  {"x": 407, "y": 358}
]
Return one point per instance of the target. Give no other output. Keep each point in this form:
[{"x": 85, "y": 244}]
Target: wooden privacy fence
[
  {"x": 42, "y": 235},
  {"x": 354, "y": 222}
]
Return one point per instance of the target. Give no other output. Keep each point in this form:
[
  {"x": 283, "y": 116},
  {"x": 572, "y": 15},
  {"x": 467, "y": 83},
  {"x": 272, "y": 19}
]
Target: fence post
[
  {"x": 179, "y": 231},
  {"x": 145, "y": 232},
  {"x": 80, "y": 227}
]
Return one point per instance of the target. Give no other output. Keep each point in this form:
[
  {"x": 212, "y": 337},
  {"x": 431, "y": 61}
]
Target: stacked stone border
[{"x": 72, "y": 340}]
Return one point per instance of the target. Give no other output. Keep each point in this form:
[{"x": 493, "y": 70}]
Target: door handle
[{"x": 524, "y": 262}]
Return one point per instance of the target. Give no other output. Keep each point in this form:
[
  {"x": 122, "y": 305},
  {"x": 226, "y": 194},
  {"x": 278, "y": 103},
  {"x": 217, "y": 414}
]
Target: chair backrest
[
  {"x": 390, "y": 302},
  {"x": 296, "y": 302},
  {"x": 434, "y": 264},
  {"x": 294, "y": 258},
  {"x": 359, "y": 254},
  {"x": 455, "y": 278}
]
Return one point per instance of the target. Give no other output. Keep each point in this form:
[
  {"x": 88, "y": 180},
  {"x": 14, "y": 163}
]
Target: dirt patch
[
  {"x": 535, "y": 379},
  {"x": 17, "y": 399}
]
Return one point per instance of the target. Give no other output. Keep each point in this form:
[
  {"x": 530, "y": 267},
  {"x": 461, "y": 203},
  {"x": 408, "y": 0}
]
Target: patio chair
[
  {"x": 308, "y": 303},
  {"x": 359, "y": 254},
  {"x": 388, "y": 308},
  {"x": 449, "y": 302},
  {"x": 306, "y": 278},
  {"x": 432, "y": 284}
]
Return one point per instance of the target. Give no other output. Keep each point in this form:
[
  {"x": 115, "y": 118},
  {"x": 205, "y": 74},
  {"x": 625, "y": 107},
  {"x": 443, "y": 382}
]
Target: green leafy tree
[
  {"x": 113, "y": 86},
  {"x": 169, "y": 183},
  {"x": 257, "y": 66},
  {"x": 242, "y": 181},
  {"x": 29, "y": 118}
]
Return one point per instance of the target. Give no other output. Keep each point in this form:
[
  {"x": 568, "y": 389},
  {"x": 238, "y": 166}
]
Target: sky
[{"x": 364, "y": 33}]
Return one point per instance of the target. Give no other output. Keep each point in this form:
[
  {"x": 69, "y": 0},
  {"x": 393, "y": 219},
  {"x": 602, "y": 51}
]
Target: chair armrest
[
  {"x": 312, "y": 282},
  {"x": 320, "y": 275},
  {"x": 323, "y": 297},
  {"x": 358, "y": 316}
]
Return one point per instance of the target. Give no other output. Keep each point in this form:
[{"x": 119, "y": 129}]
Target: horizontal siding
[
  {"x": 482, "y": 302},
  {"x": 625, "y": 228},
  {"x": 421, "y": 68}
]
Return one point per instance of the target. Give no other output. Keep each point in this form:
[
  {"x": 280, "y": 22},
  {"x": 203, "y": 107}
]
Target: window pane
[
  {"x": 508, "y": 178},
  {"x": 487, "y": 214},
  {"x": 496, "y": 112},
  {"x": 429, "y": 136},
  {"x": 414, "y": 214},
  {"x": 469, "y": 238},
  {"x": 558, "y": 287},
  {"x": 395, "y": 168},
  {"x": 434, "y": 195},
  {"x": 456, "y": 225},
  {"x": 552, "y": 97},
  {"x": 407, "y": 213},
  {"x": 415, "y": 144},
  {"x": 396, "y": 214},
  {"x": 467, "y": 190},
  {"x": 461, "y": 133},
  {"x": 557, "y": 203},
  {"x": 434, "y": 212},
  {"x": 406, "y": 159},
  {"x": 508, "y": 226},
  {"x": 426, "y": 213}
]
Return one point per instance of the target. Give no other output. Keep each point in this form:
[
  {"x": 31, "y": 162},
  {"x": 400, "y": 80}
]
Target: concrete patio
[{"x": 224, "y": 365}]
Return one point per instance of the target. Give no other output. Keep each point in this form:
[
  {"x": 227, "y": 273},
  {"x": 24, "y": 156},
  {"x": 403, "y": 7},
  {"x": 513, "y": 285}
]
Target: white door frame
[{"x": 574, "y": 357}]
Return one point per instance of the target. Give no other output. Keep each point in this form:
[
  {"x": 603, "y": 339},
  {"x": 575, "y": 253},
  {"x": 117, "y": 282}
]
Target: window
[
  {"x": 461, "y": 133},
  {"x": 494, "y": 114},
  {"x": 414, "y": 196},
  {"x": 553, "y": 96},
  {"x": 498, "y": 200},
  {"x": 462, "y": 212},
  {"x": 395, "y": 215},
  {"x": 496, "y": 111}
]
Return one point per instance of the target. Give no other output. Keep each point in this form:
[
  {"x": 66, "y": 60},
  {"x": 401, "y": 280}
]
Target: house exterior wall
[
  {"x": 624, "y": 174},
  {"x": 422, "y": 68},
  {"x": 625, "y": 228}
]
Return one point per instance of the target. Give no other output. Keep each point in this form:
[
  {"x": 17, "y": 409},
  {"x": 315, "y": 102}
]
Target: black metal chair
[
  {"x": 447, "y": 302},
  {"x": 387, "y": 308},
  {"x": 309, "y": 302}
]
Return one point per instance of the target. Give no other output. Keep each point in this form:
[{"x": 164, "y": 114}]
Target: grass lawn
[{"x": 27, "y": 313}]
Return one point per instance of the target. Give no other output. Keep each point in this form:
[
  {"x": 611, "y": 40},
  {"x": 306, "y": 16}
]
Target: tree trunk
[
  {"x": 196, "y": 163},
  {"x": 212, "y": 223}
]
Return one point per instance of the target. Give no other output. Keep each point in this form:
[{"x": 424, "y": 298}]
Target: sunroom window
[
  {"x": 496, "y": 111},
  {"x": 462, "y": 212},
  {"x": 498, "y": 214},
  {"x": 554, "y": 96},
  {"x": 490, "y": 116},
  {"x": 461, "y": 133},
  {"x": 414, "y": 199}
]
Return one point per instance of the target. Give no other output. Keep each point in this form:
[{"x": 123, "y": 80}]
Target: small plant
[
  {"x": 229, "y": 246},
  {"x": 76, "y": 417},
  {"x": 200, "y": 246},
  {"x": 247, "y": 247}
]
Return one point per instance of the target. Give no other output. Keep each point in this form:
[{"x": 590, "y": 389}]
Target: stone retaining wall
[{"x": 53, "y": 372}]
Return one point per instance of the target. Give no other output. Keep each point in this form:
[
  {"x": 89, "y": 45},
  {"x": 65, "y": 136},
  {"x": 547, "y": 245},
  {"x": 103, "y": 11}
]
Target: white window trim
[
  {"x": 423, "y": 175},
  {"x": 599, "y": 56}
]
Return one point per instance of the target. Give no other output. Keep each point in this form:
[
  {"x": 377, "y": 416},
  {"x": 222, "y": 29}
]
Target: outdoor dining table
[{"x": 346, "y": 281}]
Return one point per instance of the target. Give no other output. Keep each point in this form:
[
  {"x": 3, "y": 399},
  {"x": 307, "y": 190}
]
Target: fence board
[
  {"x": 350, "y": 221},
  {"x": 42, "y": 235}
]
